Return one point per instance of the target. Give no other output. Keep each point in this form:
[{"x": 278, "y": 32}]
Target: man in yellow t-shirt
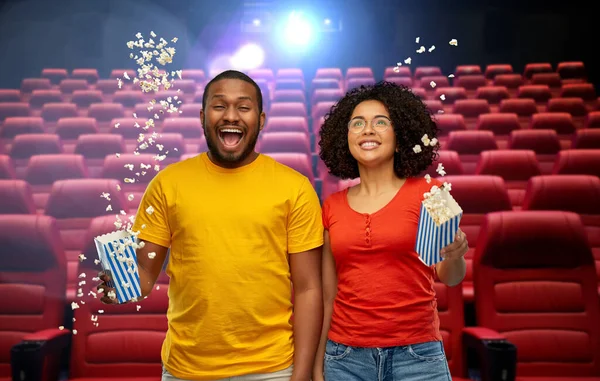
[{"x": 241, "y": 228}]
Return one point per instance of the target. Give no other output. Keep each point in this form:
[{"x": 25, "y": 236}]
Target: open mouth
[
  {"x": 369, "y": 145},
  {"x": 230, "y": 136}
]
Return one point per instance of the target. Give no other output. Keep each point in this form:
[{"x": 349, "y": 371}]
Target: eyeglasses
[{"x": 379, "y": 124}]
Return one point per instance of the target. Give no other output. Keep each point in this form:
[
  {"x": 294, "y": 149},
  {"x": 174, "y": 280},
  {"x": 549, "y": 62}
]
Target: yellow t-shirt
[{"x": 230, "y": 233}]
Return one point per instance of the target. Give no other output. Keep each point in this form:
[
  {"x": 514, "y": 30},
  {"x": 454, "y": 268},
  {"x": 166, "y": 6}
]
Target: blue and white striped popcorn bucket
[
  {"x": 431, "y": 237},
  {"x": 119, "y": 261}
]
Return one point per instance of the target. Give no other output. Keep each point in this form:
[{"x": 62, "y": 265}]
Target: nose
[
  {"x": 231, "y": 115},
  {"x": 368, "y": 130}
]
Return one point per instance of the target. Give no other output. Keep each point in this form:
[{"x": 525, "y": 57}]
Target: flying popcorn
[
  {"x": 453, "y": 42},
  {"x": 450, "y": 75},
  {"x": 432, "y": 84},
  {"x": 417, "y": 40},
  {"x": 82, "y": 258},
  {"x": 74, "y": 306},
  {"x": 433, "y": 142},
  {"x": 152, "y": 255},
  {"x": 440, "y": 169},
  {"x": 428, "y": 178},
  {"x": 432, "y": 48},
  {"x": 421, "y": 50},
  {"x": 425, "y": 140},
  {"x": 408, "y": 61},
  {"x": 150, "y": 210},
  {"x": 130, "y": 197},
  {"x": 417, "y": 148},
  {"x": 443, "y": 97}
]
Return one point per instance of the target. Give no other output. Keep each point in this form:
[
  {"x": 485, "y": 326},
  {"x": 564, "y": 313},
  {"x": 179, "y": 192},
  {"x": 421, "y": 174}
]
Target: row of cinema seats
[
  {"x": 535, "y": 288},
  {"x": 57, "y": 186}
]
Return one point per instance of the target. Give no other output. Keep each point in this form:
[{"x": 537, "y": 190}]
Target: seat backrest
[
  {"x": 493, "y": 94},
  {"x": 7, "y": 167},
  {"x": 25, "y": 146},
  {"x": 448, "y": 123},
  {"x": 359, "y": 72},
  {"x": 197, "y": 75},
  {"x": 295, "y": 142},
  {"x": 71, "y": 128},
  {"x": 133, "y": 336},
  {"x": 10, "y": 95},
  {"x": 549, "y": 79},
  {"x": 511, "y": 165},
  {"x": 89, "y": 75},
  {"x": 535, "y": 68},
  {"x": 55, "y": 75},
  {"x": 471, "y": 81},
  {"x": 329, "y": 73},
  {"x": 427, "y": 71},
  {"x": 561, "y": 122},
  {"x": 519, "y": 106},
  {"x": 33, "y": 276},
  {"x": 510, "y": 81},
  {"x": 107, "y": 86},
  {"x": 571, "y": 69},
  {"x": 84, "y": 98},
  {"x": 539, "y": 93},
  {"x": 535, "y": 282},
  {"x": 188, "y": 127},
  {"x": 471, "y": 107},
  {"x": 498, "y": 123},
  {"x": 52, "y": 112},
  {"x": 289, "y": 96},
  {"x": 40, "y": 97},
  {"x": 585, "y": 91},
  {"x": 286, "y": 124},
  {"x": 187, "y": 86},
  {"x": 449, "y": 95},
  {"x": 542, "y": 142},
  {"x": 28, "y": 85},
  {"x": 46, "y": 169},
  {"x": 17, "y": 197},
  {"x": 491, "y": 71},
  {"x": 451, "y": 162},
  {"x": 290, "y": 73},
  {"x": 20, "y": 125},
  {"x": 356, "y": 82},
  {"x": 577, "y": 162},
  {"x": 128, "y": 98},
  {"x": 105, "y": 112},
  {"x": 98, "y": 146},
  {"x": 586, "y": 139},
  {"x": 288, "y": 109},
  {"x": 467, "y": 70},
  {"x": 140, "y": 168},
  {"x": 573, "y": 106},
  {"x": 69, "y": 85},
  {"x": 326, "y": 95},
  {"x": 170, "y": 144},
  {"x": 431, "y": 82},
  {"x": 82, "y": 198},
  {"x": 592, "y": 120},
  {"x": 471, "y": 142}
]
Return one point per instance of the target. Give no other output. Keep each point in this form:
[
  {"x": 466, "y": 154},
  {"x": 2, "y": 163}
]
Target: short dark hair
[
  {"x": 411, "y": 119},
  {"x": 234, "y": 74}
]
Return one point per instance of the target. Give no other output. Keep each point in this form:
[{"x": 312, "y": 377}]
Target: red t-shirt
[{"x": 385, "y": 293}]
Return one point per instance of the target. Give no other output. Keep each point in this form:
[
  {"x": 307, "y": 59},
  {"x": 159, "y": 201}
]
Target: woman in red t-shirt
[{"x": 381, "y": 321}]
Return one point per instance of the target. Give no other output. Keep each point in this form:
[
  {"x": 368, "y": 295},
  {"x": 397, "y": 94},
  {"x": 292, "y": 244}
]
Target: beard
[{"x": 229, "y": 159}]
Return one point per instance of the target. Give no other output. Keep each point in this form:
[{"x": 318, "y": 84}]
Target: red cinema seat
[
  {"x": 134, "y": 337},
  {"x": 511, "y": 81},
  {"x": 189, "y": 128},
  {"x": 128, "y": 98},
  {"x": 325, "y": 83},
  {"x": 17, "y": 197},
  {"x": 71, "y": 128},
  {"x": 329, "y": 73},
  {"x": 427, "y": 71},
  {"x": 55, "y": 75},
  {"x": 128, "y": 128},
  {"x": 89, "y": 75},
  {"x": 263, "y": 73},
  {"x": 493, "y": 94},
  {"x": 501, "y": 125},
  {"x": 289, "y": 73},
  {"x": 10, "y": 109},
  {"x": 333, "y": 184},
  {"x": 197, "y": 75},
  {"x": 471, "y": 109},
  {"x": 134, "y": 172},
  {"x": 433, "y": 105},
  {"x": 477, "y": 195},
  {"x": 40, "y": 97},
  {"x": 186, "y": 86},
  {"x": 561, "y": 122},
  {"x": 28, "y": 85},
  {"x": 571, "y": 70},
  {"x": 107, "y": 86},
  {"x": 536, "y": 68},
  {"x": 491, "y": 71},
  {"x": 586, "y": 139},
  {"x": 25, "y": 146},
  {"x": 10, "y": 96},
  {"x": 33, "y": 275},
  {"x": 577, "y": 162},
  {"x": 105, "y": 112},
  {"x": 95, "y": 147},
  {"x": 535, "y": 283},
  {"x": 190, "y": 110},
  {"x": 326, "y": 95},
  {"x": 545, "y": 144},
  {"x": 585, "y": 91},
  {"x": 289, "y": 84},
  {"x": 69, "y": 85},
  {"x": 52, "y": 112},
  {"x": 21, "y": 125},
  {"x": 523, "y": 107},
  {"x": 552, "y": 80},
  {"x": 43, "y": 170},
  {"x": 7, "y": 168},
  {"x": 170, "y": 145},
  {"x": 448, "y": 123},
  {"x": 286, "y": 124},
  {"x": 430, "y": 83},
  {"x": 469, "y": 145},
  {"x": 470, "y": 82},
  {"x": 450, "y": 160},
  {"x": 574, "y": 106},
  {"x": 73, "y": 203},
  {"x": 355, "y": 82},
  {"x": 297, "y": 161},
  {"x": 280, "y": 142},
  {"x": 401, "y": 81},
  {"x": 288, "y": 109},
  {"x": 289, "y": 96},
  {"x": 462, "y": 70},
  {"x": 592, "y": 120},
  {"x": 399, "y": 72},
  {"x": 120, "y": 73},
  {"x": 359, "y": 72},
  {"x": 571, "y": 193},
  {"x": 539, "y": 93},
  {"x": 516, "y": 167},
  {"x": 84, "y": 98},
  {"x": 449, "y": 95}
]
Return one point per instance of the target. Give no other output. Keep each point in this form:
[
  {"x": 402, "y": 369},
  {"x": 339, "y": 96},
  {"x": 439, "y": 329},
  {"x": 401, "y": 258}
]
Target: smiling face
[
  {"x": 232, "y": 122},
  {"x": 371, "y": 136}
]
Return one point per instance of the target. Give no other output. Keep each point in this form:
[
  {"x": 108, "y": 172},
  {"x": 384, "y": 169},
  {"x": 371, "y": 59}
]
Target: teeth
[
  {"x": 369, "y": 144},
  {"x": 234, "y": 130}
]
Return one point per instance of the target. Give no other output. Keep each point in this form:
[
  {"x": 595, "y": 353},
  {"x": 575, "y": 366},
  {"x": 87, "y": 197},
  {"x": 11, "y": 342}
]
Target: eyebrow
[
  {"x": 245, "y": 97},
  {"x": 376, "y": 116}
]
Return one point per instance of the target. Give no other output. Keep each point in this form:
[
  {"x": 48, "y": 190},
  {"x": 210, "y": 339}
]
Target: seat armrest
[
  {"x": 29, "y": 358},
  {"x": 490, "y": 353}
]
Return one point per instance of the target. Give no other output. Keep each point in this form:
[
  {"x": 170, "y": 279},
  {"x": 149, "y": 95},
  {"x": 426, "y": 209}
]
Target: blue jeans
[{"x": 416, "y": 362}]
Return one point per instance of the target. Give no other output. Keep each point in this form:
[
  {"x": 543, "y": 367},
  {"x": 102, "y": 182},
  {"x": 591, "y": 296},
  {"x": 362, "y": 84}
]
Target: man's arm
[{"x": 308, "y": 310}]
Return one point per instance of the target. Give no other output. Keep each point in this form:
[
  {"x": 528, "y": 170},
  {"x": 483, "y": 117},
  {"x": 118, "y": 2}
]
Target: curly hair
[{"x": 411, "y": 119}]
